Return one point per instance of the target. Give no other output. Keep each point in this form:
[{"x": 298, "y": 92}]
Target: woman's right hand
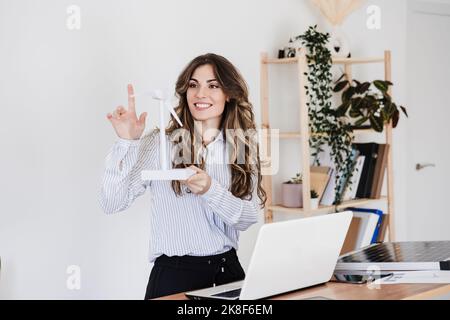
[{"x": 125, "y": 122}]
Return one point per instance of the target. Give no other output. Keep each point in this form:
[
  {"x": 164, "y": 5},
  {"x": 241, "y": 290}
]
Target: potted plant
[
  {"x": 326, "y": 128},
  {"x": 291, "y": 192},
  {"x": 314, "y": 199},
  {"x": 368, "y": 102},
  {"x": 330, "y": 126}
]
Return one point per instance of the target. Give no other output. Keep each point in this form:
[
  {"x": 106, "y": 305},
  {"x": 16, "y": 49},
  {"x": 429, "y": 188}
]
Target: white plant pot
[
  {"x": 314, "y": 203},
  {"x": 339, "y": 44}
]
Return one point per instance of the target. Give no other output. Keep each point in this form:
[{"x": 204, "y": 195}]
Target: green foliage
[
  {"x": 314, "y": 194},
  {"x": 326, "y": 127},
  {"x": 363, "y": 104},
  {"x": 298, "y": 179}
]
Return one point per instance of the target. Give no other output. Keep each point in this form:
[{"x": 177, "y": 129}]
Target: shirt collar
[{"x": 218, "y": 137}]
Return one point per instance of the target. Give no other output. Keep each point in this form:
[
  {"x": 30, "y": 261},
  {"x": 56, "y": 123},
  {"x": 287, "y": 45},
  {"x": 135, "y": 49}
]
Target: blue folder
[{"x": 380, "y": 217}]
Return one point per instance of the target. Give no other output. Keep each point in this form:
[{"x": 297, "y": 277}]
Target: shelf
[
  {"x": 301, "y": 135},
  {"x": 357, "y": 61},
  {"x": 335, "y": 60},
  {"x": 296, "y": 134},
  {"x": 325, "y": 209},
  {"x": 281, "y": 61}
]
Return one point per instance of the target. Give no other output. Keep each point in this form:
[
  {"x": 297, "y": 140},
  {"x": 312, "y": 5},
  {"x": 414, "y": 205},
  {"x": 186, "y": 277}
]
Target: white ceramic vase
[
  {"x": 314, "y": 203},
  {"x": 339, "y": 44}
]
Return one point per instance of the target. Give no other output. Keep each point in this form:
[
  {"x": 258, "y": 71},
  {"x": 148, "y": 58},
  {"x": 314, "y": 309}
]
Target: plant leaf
[
  {"x": 342, "y": 109},
  {"x": 361, "y": 121},
  {"x": 355, "y": 113},
  {"x": 341, "y": 85},
  {"x": 371, "y": 100},
  {"x": 356, "y": 103},
  {"x": 384, "y": 115},
  {"x": 376, "y": 123},
  {"x": 341, "y": 77},
  {"x": 395, "y": 118},
  {"x": 348, "y": 94},
  {"x": 392, "y": 109},
  {"x": 404, "y": 111},
  {"x": 386, "y": 98},
  {"x": 363, "y": 87},
  {"x": 381, "y": 85}
]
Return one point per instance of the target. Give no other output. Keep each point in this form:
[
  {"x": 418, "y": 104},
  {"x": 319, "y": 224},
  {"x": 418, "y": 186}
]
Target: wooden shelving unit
[
  {"x": 304, "y": 134},
  {"x": 325, "y": 209}
]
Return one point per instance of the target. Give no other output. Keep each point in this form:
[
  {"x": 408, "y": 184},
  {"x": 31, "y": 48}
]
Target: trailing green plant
[
  {"x": 298, "y": 179},
  {"x": 364, "y": 105},
  {"x": 325, "y": 126},
  {"x": 314, "y": 194}
]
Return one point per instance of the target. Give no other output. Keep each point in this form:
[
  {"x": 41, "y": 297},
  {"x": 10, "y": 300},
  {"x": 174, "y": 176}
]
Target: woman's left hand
[{"x": 198, "y": 183}]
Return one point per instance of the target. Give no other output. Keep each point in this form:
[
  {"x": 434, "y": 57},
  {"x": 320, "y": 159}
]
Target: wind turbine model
[{"x": 165, "y": 173}]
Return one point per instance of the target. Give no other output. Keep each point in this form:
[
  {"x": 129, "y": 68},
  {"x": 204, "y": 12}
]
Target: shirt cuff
[
  {"x": 213, "y": 189},
  {"x": 128, "y": 143}
]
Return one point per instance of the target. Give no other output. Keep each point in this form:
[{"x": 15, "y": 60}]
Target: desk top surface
[{"x": 344, "y": 291}]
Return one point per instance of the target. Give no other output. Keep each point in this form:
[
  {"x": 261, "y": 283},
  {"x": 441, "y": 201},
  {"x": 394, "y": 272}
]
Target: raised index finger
[{"x": 131, "y": 104}]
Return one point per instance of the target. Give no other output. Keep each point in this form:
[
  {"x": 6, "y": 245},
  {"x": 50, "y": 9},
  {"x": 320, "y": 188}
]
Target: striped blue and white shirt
[{"x": 197, "y": 225}]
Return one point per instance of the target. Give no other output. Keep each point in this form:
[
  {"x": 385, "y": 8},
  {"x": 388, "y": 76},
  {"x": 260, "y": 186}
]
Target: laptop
[{"x": 288, "y": 256}]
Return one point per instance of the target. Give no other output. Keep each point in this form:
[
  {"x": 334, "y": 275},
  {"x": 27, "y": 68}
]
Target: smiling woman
[
  {"x": 214, "y": 97},
  {"x": 206, "y": 99},
  {"x": 195, "y": 223}
]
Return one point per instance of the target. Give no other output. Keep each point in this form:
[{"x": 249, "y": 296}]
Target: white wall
[{"x": 56, "y": 87}]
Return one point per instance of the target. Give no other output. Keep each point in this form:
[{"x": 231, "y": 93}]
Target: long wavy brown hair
[{"x": 237, "y": 118}]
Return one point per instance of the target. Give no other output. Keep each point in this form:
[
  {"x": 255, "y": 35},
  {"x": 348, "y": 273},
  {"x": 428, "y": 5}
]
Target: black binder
[{"x": 370, "y": 151}]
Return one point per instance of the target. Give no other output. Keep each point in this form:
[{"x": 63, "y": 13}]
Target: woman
[{"x": 195, "y": 223}]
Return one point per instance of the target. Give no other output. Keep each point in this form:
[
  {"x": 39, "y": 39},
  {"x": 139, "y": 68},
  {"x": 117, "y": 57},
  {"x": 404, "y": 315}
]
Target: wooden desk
[{"x": 343, "y": 291}]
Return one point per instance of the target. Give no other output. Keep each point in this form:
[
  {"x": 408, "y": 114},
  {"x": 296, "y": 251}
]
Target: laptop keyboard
[{"x": 229, "y": 294}]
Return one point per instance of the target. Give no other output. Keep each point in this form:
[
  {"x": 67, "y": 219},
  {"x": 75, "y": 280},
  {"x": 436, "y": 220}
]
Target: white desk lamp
[{"x": 165, "y": 173}]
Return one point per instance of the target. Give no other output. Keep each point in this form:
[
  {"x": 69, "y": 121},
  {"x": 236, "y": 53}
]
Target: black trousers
[{"x": 179, "y": 274}]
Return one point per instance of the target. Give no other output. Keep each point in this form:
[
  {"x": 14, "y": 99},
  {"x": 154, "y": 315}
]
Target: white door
[{"x": 428, "y": 65}]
